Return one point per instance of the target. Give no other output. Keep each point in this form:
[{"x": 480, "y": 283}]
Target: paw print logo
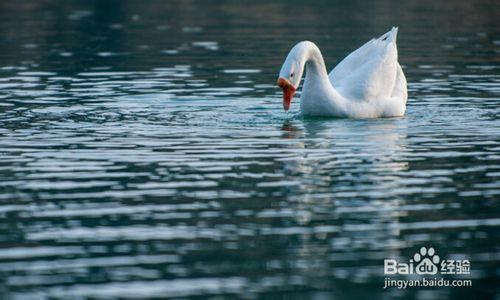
[{"x": 427, "y": 261}]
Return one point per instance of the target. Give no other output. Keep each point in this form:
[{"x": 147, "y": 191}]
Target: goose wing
[{"x": 370, "y": 72}]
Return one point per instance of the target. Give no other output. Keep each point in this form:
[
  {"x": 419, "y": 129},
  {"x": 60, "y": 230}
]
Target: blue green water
[{"x": 144, "y": 152}]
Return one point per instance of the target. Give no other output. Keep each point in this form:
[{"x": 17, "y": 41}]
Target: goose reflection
[
  {"x": 347, "y": 169},
  {"x": 289, "y": 130}
]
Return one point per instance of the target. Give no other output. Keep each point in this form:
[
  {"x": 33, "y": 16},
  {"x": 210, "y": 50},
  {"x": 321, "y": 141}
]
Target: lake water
[{"x": 144, "y": 152}]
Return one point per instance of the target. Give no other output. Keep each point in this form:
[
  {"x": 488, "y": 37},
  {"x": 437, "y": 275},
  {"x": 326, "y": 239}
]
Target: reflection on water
[{"x": 145, "y": 153}]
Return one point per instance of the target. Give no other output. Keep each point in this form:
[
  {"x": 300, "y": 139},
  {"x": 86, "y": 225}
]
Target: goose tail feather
[{"x": 390, "y": 36}]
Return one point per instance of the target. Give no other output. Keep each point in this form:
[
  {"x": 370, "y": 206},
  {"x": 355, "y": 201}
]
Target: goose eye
[{"x": 291, "y": 74}]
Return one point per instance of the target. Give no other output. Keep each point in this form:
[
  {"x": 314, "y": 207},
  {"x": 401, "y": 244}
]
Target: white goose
[{"x": 368, "y": 83}]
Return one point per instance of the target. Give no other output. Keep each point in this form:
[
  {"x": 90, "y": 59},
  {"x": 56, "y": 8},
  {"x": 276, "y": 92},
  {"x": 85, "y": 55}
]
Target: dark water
[{"x": 144, "y": 151}]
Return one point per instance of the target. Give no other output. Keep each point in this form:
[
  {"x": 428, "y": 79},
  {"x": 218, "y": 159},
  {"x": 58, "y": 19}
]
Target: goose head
[{"x": 291, "y": 72}]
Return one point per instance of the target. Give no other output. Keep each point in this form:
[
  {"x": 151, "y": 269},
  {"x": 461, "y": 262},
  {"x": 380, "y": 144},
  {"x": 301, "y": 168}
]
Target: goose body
[{"x": 368, "y": 83}]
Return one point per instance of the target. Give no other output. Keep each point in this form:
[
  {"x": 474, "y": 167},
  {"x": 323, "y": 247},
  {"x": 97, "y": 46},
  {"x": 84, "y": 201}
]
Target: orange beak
[{"x": 288, "y": 92}]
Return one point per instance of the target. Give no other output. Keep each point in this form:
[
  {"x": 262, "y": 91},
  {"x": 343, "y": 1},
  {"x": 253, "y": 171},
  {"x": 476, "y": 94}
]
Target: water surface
[{"x": 144, "y": 151}]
